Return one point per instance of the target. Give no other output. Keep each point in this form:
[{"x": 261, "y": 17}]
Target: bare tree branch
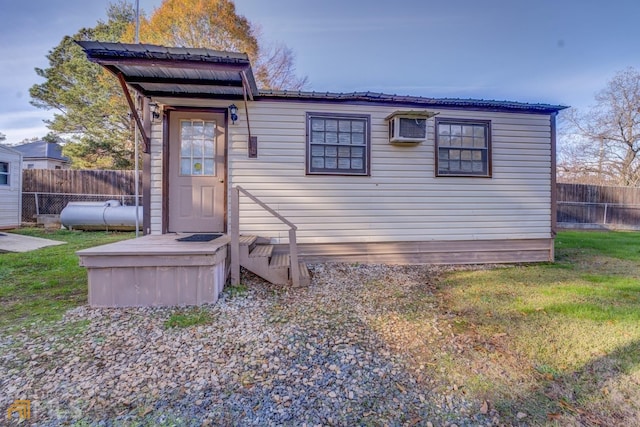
[{"x": 607, "y": 136}]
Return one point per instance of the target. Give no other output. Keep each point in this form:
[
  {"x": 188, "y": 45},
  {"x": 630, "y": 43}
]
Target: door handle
[{"x": 221, "y": 180}]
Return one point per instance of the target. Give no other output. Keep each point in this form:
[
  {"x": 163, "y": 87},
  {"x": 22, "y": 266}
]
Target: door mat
[{"x": 206, "y": 237}]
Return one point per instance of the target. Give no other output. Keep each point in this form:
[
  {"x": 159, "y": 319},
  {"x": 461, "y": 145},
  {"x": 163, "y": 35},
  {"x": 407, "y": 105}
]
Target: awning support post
[
  {"x": 252, "y": 142},
  {"x": 145, "y": 138}
]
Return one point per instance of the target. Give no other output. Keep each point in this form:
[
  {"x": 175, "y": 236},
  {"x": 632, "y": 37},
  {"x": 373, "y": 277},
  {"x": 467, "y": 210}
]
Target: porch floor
[
  {"x": 156, "y": 270},
  {"x": 160, "y": 244}
]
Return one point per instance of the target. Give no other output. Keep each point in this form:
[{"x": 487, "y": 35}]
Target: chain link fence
[{"x": 34, "y": 204}]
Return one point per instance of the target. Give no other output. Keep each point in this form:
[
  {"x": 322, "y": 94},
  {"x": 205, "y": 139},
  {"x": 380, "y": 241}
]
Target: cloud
[{"x": 20, "y": 125}]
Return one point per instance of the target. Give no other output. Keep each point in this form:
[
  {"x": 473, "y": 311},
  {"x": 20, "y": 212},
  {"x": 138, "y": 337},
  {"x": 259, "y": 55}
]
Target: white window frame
[
  {"x": 194, "y": 161},
  {"x": 7, "y": 173}
]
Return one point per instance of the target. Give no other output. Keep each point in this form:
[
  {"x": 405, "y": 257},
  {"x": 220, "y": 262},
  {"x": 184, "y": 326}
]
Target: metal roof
[
  {"x": 182, "y": 72},
  {"x": 174, "y": 71},
  {"x": 417, "y": 101},
  {"x": 41, "y": 150}
]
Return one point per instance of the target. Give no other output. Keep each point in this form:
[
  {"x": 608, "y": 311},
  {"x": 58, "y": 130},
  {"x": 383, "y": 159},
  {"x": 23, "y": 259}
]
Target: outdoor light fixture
[
  {"x": 155, "y": 111},
  {"x": 233, "y": 110}
]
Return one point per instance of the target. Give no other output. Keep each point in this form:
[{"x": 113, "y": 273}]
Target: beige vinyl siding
[
  {"x": 402, "y": 200},
  {"x": 156, "y": 178},
  {"x": 11, "y": 195}
]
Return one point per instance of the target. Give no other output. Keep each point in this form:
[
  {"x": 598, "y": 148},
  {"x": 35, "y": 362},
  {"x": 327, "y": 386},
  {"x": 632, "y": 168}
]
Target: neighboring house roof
[
  {"x": 204, "y": 73},
  {"x": 8, "y": 149},
  {"x": 41, "y": 150}
]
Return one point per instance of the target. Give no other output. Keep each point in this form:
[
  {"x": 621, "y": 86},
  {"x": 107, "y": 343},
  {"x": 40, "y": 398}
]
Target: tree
[
  {"x": 31, "y": 139},
  {"x": 2, "y": 136},
  {"x": 214, "y": 24},
  {"x": 52, "y": 137},
  {"x": 91, "y": 110},
  {"x": 275, "y": 70},
  {"x": 604, "y": 142}
]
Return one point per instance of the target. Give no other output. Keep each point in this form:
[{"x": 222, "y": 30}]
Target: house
[
  {"x": 42, "y": 155},
  {"x": 355, "y": 177},
  {"x": 10, "y": 187}
]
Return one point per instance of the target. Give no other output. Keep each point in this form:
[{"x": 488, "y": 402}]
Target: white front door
[{"x": 196, "y": 172}]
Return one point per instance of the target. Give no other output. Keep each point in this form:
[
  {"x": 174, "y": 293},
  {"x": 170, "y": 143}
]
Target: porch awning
[{"x": 161, "y": 71}]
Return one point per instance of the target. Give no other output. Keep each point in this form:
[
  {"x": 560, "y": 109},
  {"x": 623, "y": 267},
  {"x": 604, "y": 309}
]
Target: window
[
  {"x": 463, "y": 147},
  {"x": 337, "y": 144},
  {"x": 197, "y": 147},
  {"x": 31, "y": 166},
  {"x": 4, "y": 173}
]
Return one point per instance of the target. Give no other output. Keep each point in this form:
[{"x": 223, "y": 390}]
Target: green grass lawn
[
  {"x": 557, "y": 341},
  {"x": 43, "y": 284}
]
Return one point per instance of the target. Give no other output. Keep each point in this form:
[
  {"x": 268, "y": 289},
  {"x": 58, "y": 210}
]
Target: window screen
[{"x": 413, "y": 128}]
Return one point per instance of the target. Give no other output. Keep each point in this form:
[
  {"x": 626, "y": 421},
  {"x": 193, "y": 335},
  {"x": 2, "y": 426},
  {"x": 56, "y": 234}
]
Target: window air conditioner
[{"x": 408, "y": 126}]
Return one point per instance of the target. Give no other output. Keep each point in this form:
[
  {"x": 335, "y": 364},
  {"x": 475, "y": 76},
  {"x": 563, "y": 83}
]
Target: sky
[{"x": 542, "y": 51}]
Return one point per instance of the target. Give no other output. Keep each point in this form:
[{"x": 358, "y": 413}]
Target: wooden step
[
  {"x": 305, "y": 275},
  {"x": 256, "y": 255},
  {"x": 247, "y": 240},
  {"x": 304, "y": 271},
  {"x": 261, "y": 251},
  {"x": 279, "y": 261}
]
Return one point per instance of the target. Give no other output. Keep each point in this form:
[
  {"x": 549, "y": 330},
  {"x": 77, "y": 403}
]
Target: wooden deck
[{"x": 156, "y": 270}]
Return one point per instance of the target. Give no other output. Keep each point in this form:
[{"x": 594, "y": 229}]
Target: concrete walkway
[{"x": 10, "y": 242}]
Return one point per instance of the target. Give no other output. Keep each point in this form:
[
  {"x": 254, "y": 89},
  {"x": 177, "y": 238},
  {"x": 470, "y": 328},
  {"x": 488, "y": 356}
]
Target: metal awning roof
[
  {"x": 411, "y": 101},
  {"x": 175, "y": 71}
]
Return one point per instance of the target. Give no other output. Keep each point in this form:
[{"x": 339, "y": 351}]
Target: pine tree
[{"x": 91, "y": 112}]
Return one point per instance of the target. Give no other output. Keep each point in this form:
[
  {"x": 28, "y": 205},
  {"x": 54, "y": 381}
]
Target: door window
[{"x": 197, "y": 148}]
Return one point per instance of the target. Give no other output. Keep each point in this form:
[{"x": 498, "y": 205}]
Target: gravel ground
[{"x": 269, "y": 356}]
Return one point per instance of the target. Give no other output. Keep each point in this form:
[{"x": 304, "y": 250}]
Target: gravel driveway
[{"x": 322, "y": 355}]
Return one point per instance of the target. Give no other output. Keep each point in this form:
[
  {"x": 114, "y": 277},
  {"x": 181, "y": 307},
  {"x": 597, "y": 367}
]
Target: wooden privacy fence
[
  {"x": 79, "y": 181},
  {"x": 47, "y": 191},
  {"x": 595, "y": 206}
]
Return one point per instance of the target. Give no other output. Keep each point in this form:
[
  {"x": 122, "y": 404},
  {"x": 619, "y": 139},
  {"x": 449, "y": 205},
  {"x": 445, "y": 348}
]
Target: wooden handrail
[
  {"x": 235, "y": 236},
  {"x": 234, "y": 226},
  {"x": 265, "y": 207}
]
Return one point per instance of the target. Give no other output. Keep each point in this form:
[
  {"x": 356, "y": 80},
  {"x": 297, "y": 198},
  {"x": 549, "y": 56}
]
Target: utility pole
[{"x": 136, "y": 178}]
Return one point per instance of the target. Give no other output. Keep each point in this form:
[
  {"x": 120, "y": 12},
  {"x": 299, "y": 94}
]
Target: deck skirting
[
  {"x": 431, "y": 252},
  {"x": 155, "y": 271}
]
